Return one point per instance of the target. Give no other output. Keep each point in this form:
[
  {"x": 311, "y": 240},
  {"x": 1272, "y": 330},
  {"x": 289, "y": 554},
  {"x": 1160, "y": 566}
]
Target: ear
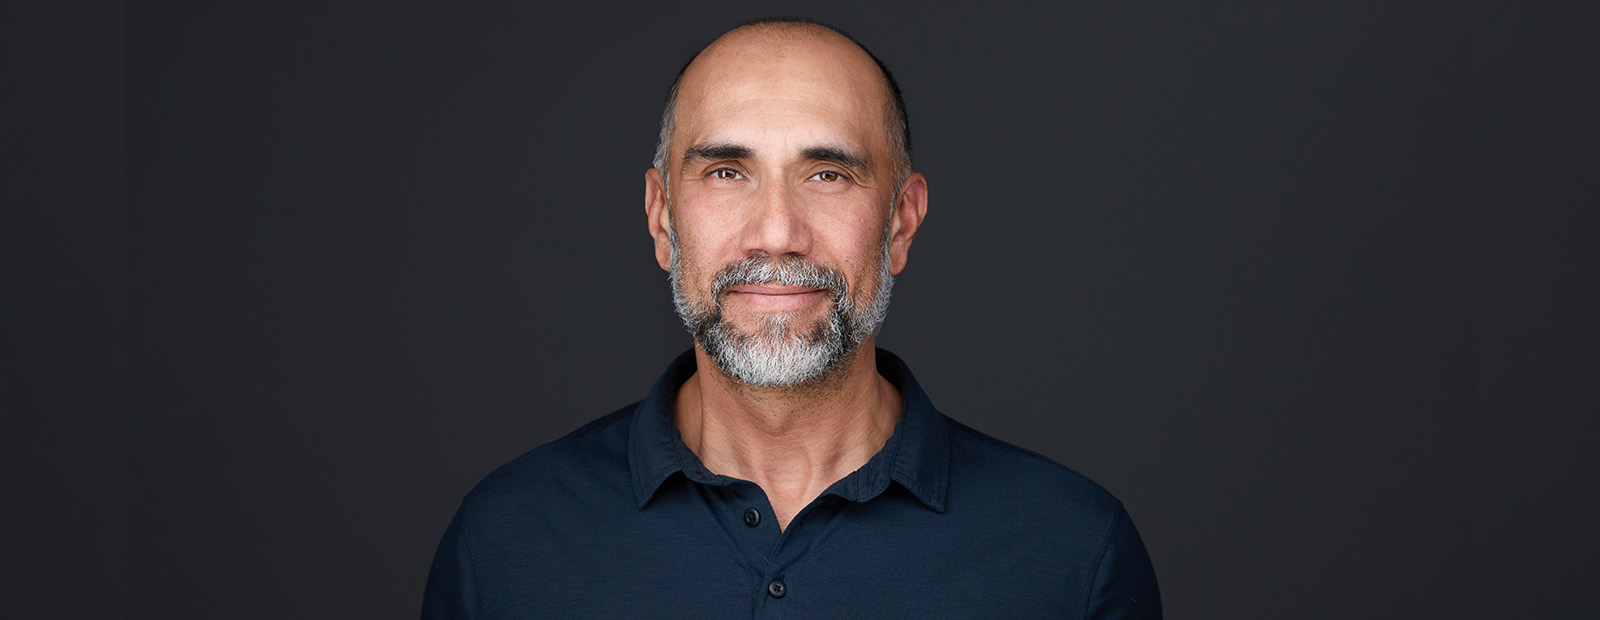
[
  {"x": 911, "y": 207},
  {"x": 656, "y": 216}
]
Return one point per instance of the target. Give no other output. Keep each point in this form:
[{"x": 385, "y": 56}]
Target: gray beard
[{"x": 779, "y": 354}]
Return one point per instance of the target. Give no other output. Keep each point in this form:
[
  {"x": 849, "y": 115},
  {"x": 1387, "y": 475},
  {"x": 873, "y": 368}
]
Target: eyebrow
[
  {"x": 842, "y": 156},
  {"x": 718, "y": 151},
  {"x": 715, "y": 152}
]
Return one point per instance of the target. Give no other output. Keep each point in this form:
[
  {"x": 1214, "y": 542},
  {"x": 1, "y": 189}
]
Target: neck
[{"x": 793, "y": 442}]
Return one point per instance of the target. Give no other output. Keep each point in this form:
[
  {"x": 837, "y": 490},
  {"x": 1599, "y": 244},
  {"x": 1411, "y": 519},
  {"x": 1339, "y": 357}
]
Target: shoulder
[
  {"x": 996, "y": 470},
  {"x": 1074, "y": 531},
  {"x": 590, "y": 461}
]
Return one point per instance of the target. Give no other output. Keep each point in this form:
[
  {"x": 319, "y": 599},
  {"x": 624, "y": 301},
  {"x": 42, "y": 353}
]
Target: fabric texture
[{"x": 620, "y": 520}]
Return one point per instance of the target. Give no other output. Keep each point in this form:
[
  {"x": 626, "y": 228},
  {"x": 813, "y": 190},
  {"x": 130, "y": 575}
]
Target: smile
[{"x": 775, "y": 298}]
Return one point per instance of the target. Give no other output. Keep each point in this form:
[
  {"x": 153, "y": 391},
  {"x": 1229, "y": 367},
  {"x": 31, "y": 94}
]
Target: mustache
[{"x": 786, "y": 270}]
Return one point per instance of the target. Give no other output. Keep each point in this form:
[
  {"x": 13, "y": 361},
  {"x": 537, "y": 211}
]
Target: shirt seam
[
  {"x": 1099, "y": 561},
  {"x": 1004, "y": 446},
  {"x": 472, "y": 563}
]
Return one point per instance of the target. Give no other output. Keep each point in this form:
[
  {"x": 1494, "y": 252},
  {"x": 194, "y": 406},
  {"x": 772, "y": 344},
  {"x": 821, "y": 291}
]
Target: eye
[
  {"x": 726, "y": 174},
  {"x": 828, "y": 176}
]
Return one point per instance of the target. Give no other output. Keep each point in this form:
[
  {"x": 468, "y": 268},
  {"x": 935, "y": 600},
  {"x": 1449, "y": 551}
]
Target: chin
[{"x": 778, "y": 356}]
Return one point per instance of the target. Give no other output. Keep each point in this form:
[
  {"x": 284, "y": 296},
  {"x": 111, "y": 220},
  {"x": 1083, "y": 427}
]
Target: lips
[
  {"x": 775, "y": 298},
  {"x": 785, "y": 284},
  {"x": 774, "y": 289}
]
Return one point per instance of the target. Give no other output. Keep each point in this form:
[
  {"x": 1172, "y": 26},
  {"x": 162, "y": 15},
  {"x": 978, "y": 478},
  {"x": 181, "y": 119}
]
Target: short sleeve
[
  {"x": 1124, "y": 585},
  {"x": 452, "y": 591}
]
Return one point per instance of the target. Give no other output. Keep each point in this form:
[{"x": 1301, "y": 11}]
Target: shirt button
[
  {"x": 776, "y": 588},
  {"x": 751, "y": 518}
]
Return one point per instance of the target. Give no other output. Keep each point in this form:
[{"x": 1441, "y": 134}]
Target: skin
[{"x": 791, "y": 98}]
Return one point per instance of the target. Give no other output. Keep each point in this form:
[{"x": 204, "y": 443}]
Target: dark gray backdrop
[{"x": 1220, "y": 259}]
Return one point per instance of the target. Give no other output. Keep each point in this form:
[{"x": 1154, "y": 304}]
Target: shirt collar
[{"x": 917, "y": 455}]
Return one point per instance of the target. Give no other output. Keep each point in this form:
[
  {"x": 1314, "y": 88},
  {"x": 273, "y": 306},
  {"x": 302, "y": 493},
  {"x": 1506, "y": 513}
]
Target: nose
[{"x": 777, "y": 224}]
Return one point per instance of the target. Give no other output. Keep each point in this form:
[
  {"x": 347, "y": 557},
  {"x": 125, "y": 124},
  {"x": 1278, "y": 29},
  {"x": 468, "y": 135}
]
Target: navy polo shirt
[{"x": 620, "y": 520}]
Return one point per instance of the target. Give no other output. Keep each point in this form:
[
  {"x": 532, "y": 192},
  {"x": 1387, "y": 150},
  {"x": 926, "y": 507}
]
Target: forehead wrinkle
[
  {"x": 827, "y": 86},
  {"x": 764, "y": 132}
]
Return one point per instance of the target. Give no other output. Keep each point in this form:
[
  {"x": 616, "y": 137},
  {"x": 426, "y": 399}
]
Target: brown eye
[
  {"x": 725, "y": 174},
  {"x": 827, "y": 176}
]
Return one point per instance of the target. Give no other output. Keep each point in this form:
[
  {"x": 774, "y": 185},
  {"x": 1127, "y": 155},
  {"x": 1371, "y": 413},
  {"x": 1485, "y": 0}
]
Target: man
[{"x": 785, "y": 467}]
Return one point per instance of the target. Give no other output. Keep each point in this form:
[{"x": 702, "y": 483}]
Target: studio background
[{"x": 1218, "y": 259}]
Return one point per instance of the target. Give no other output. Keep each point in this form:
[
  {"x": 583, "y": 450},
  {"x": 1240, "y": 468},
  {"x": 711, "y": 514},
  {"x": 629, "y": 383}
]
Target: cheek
[
  {"x": 695, "y": 267},
  {"x": 865, "y": 260},
  {"x": 702, "y": 235},
  {"x": 865, "y": 241}
]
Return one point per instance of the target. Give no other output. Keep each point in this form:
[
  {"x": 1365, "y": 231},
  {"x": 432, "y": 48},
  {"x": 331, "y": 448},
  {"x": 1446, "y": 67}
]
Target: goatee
[{"x": 778, "y": 353}]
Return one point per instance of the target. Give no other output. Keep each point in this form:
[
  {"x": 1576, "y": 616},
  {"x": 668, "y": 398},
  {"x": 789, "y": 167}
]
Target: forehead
[{"x": 749, "y": 84}]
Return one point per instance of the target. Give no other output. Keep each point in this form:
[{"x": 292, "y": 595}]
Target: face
[{"x": 779, "y": 230}]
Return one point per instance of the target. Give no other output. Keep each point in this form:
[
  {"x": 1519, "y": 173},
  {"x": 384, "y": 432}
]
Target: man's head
[{"x": 782, "y": 200}]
